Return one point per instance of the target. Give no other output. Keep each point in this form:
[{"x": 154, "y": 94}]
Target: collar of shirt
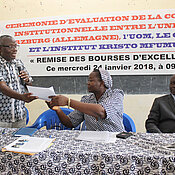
[
  {"x": 173, "y": 96},
  {"x": 2, "y": 60}
]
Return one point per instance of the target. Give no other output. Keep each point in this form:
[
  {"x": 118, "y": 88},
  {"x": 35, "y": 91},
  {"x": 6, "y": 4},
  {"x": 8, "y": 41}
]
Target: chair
[
  {"x": 83, "y": 126},
  {"x": 128, "y": 123},
  {"x": 51, "y": 120},
  {"x": 27, "y": 117}
]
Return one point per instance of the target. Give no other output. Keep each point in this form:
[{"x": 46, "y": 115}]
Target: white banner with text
[{"x": 124, "y": 43}]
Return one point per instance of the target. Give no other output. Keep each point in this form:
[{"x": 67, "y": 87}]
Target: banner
[{"x": 124, "y": 43}]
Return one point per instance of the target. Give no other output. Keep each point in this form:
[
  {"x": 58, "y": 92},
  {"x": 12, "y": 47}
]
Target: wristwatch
[{"x": 30, "y": 80}]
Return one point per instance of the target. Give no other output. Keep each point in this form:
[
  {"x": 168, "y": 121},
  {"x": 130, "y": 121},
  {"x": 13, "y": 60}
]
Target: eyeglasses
[{"x": 11, "y": 46}]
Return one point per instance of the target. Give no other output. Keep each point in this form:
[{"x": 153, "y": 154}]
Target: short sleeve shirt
[
  {"x": 112, "y": 101},
  {"x": 11, "y": 110}
]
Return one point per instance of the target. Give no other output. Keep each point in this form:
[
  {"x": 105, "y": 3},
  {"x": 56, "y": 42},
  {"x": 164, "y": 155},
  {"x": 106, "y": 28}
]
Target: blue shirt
[{"x": 112, "y": 102}]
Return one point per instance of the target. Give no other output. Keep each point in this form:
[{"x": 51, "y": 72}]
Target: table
[{"x": 141, "y": 154}]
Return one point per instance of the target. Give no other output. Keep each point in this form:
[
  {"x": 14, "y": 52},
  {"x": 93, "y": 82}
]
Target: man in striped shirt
[{"x": 13, "y": 78}]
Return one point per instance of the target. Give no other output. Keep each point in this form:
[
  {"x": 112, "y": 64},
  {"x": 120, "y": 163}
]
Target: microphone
[{"x": 19, "y": 70}]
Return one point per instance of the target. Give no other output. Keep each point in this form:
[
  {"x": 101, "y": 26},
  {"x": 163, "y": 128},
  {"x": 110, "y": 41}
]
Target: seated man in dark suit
[{"x": 162, "y": 114}]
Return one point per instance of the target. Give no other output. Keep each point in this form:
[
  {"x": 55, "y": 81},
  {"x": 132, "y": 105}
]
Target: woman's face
[{"x": 94, "y": 83}]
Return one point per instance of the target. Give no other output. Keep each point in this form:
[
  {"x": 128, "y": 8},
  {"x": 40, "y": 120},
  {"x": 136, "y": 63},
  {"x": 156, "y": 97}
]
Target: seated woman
[{"x": 102, "y": 110}]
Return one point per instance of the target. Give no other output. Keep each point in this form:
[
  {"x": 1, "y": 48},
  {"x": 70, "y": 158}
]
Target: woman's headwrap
[{"x": 106, "y": 77}]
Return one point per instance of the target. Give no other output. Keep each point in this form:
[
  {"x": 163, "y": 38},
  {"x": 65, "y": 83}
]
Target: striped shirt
[
  {"x": 112, "y": 101},
  {"x": 11, "y": 110}
]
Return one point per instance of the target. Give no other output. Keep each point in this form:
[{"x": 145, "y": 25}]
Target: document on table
[
  {"x": 29, "y": 145},
  {"x": 97, "y": 136},
  {"x": 42, "y": 93},
  {"x": 25, "y": 131}
]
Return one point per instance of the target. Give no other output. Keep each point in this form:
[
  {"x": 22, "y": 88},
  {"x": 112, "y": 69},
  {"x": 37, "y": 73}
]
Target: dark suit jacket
[{"x": 162, "y": 115}]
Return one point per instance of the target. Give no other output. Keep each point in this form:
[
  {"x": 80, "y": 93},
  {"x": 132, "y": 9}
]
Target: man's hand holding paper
[{"x": 42, "y": 93}]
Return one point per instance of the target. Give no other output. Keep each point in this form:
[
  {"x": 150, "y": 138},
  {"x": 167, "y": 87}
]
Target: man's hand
[
  {"x": 24, "y": 75},
  {"x": 27, "y": 97}
]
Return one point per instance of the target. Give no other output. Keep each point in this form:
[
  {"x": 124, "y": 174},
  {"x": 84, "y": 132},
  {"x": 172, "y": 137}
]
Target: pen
[{"x": 3, "y": 131}]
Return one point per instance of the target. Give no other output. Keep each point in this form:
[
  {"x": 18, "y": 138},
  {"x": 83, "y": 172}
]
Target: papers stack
[
  {"x": 97, "y": 136},
  {"x": 41, "y": 92},
  {"x": 29, "y": 145}
]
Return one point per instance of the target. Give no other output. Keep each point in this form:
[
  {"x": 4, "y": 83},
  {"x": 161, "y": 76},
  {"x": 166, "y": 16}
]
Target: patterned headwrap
[{"x": 106, "y": 77}]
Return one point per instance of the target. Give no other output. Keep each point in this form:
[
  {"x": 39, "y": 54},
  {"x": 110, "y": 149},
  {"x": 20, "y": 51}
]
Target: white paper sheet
[
  {"x": 97, "y": 136},
  {"x": 42, "y": 93},
  {"x": 26, "y": 144}
]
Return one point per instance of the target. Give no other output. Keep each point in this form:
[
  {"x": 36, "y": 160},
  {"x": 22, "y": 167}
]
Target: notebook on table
[
  {"x": 29, "y": 145},
  {"x": 25, "y": 131}
]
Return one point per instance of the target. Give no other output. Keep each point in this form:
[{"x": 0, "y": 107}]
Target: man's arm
[
  {"x": 13, "y": 94},
  {"x": 152, "y": 122},
  {"x": 23, "y": 73},
  {"x": 26, "y": 78}
]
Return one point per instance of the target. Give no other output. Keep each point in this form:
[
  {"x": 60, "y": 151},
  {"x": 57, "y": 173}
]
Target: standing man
[
  {"x": 13, "y": 78},
  {"x": 102, "y": 110},
  {"x": 161, "y": 118}
]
